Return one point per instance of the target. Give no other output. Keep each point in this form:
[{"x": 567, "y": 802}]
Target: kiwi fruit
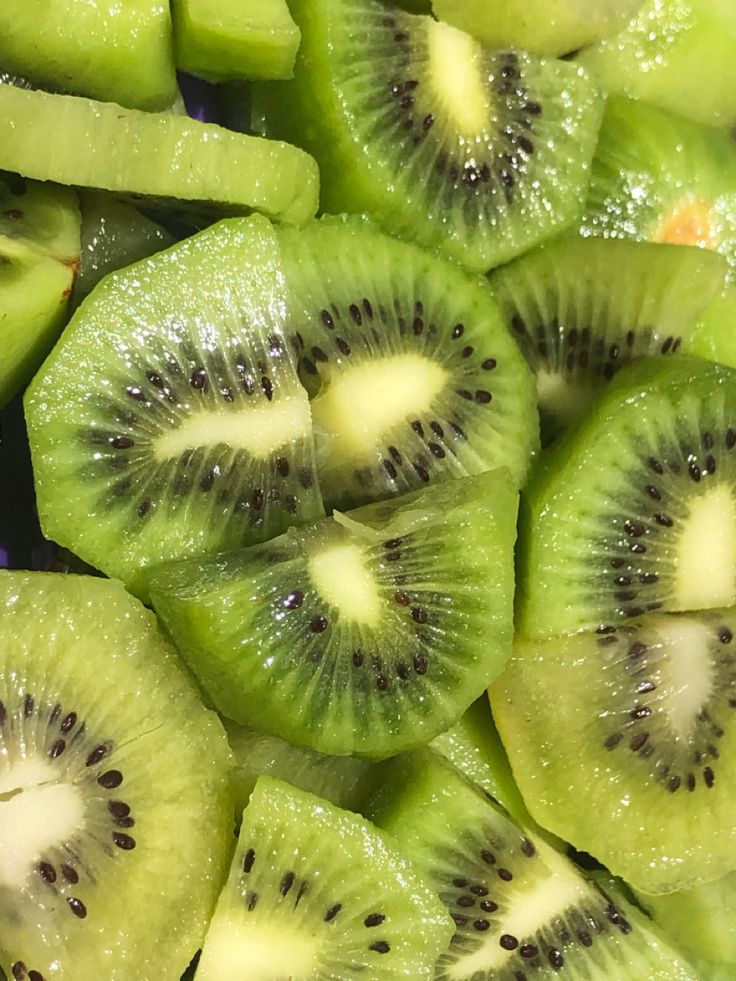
[
  {"x": 633, "y": 510},
  {"x": 367, "y": 633},
  {"x": 477, "y": 153},
  {"x": 115, "y": 810},
  {"x": 714, "y": 336},
  {"x": 581, "y": 308},
  {"x": 411, "y": 374},
  {"x": 170, "y": 421}
]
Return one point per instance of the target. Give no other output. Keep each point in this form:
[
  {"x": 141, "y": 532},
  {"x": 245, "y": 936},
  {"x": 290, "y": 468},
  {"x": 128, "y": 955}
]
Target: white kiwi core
[
  {"x": 457, "y": 79},
  {"x": 257, "y": 951},
  {"x": 705, "y": 569},
  {"x": 342, "y": 578},
  {"x": 687, "y": 672}
]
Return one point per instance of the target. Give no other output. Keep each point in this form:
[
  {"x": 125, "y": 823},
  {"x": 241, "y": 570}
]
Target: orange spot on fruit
[{"x": 688, "y": 223}]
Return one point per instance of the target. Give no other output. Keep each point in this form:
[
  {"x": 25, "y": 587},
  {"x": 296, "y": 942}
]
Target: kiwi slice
[
  {"x": 634, "y": 510},
  {"x": 581, "y": 308},
  {"x": 160, "y": 155},
  {"x": 677, "y": 55},
  {"x": 316, "y": 892},
  {"x": 714, "y": 336},
  {"x": 366, "y": 633},
  {"x": 412, "y": 376},
  {"x": 115, "y": 810},
  {"x": 480, "y": 154},
  {"x": 521, "y": 909},
  {"x": 170, "y": 421}
]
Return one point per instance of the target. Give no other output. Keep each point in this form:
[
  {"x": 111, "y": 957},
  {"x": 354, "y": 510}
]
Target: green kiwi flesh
[
  {"x": 634, "y": 510},
  {"x": 581, "y": 308},
  {"x": 316, "y": 892},
  {"x": 170, "y": 421},
  {"x": 521, "y": 909},
  {"x": 478, "y": 154},
  {"x": 714, "y": 336},
  {"x": 411, "y": 373},
  {"x": 114, "y": 791},
  {"x": 158, "y": 155},
  {"x": 367, "y": 633}
]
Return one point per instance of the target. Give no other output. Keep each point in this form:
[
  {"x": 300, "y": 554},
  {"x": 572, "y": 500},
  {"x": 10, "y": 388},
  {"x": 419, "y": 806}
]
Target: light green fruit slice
[{"x": 714, "y": 336}]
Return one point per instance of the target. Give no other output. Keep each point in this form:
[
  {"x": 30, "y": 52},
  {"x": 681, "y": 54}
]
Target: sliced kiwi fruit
[
  {"x": 634, "y": 510},
  {"x": 115, "y": 811},
  {"x": 581, "y": 308},
  {"x": 479, "y": 154},
  {"x": 157, "y": 155},
  {"x": 170, "y": 421},
  {"x": 412, "y": 376},
  {"x": 316, "y": 892},
  {"x": 521, "y": 909},
  {"x": 714, "y": 336},
  {"x": 366, "y": 633}
]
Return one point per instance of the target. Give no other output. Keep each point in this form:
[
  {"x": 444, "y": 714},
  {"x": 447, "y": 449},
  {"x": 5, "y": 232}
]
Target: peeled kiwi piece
[
  {"x": 366, "y": 633},
  {"x": 412, "y": 376},
  {"x": 477, "y": 153},
  {"x": 170, "y": 420},
  {"x": 634, "y": 510},
  {"x": 521, "y": 910},
  {"x": 115, "y": 810}
]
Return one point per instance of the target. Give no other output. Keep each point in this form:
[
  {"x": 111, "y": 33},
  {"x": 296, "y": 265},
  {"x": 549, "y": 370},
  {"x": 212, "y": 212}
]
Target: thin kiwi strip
[
  {"x": 412, "y": 376},
  {"x": 170, "y": 421},
  {"x": 479, "y": 154},
  {"x": 637, "y": 720},
  {"x": 115, "y": 808},
  {"x": 158, "y": 155},
  {"x": 634, "y": 510},
  {"x": 367, "y": 633},
  {"x": 521, "y": 909},
  {"x": 317, "y": 892}
]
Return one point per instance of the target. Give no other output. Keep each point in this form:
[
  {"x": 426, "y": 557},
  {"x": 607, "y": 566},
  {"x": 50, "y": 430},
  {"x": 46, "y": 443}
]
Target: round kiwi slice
[
  {"x": 634, "y": 510},
  {"x": 638, "y": 721},
  {"x": 170, "y": 420},
  {"x": 115, "y": 811},
  {"x": 364, "y": 634},
  {"x": 412, "y": 376},
  {"x": 478, "y": 153}
]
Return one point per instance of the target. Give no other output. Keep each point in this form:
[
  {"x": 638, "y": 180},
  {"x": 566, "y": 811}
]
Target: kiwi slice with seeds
[
  {"x": 522, "y": 910},
  {"x": 366, "y": 633},
  {"x": 412, "y": 376},
  {"x": 115, "y": 809},
  {"x": 479, "y": 154},
  {"x": 634, "y": 511},
  {"x": 170, "y": 420},
  {"x": 582, "y": 308}
]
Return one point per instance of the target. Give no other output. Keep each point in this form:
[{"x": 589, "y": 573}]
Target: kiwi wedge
[
  {"x": 411, "y": 373},
  {"x": 634, "y": 510},
  {"x": 157, "y": 155},
  {"x": 316, "y": 892},
  {"x": 477, "y": 153},
  {"x": 367, "y": 633},
  {"x": 521, "y": 909},
  {"x": 581, "y": 308},
  {"x": 714, "y": 336},
  {"x": 170, "y": 421},
  {"x": 115, "y": 810}
]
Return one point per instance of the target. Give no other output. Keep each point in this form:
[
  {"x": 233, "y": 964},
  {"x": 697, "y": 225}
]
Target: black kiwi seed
[
  {"x": 332, "y": 912},
  {"x": 110, "y": 780},
  {"x": 375, "y": 919},
  {"x": 508, "y": 942},
  {"x": 77, "y": 907},
  {"x": 380, "y": 946}
]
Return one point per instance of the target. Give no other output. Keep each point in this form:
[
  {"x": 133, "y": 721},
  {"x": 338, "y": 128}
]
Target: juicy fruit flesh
[
  {"x": 342, "y": 577},
  {"x": 456, "y": 74},
  {"x": 705, "y": 571},
  {"x": 689, "y": 222}
]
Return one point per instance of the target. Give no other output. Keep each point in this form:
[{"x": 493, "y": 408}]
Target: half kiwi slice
[
  {"x": 114, "y": 794},
  {"x": 366, "y": 633},
  {"x": 477, "y": 153},
  {"x": 634, "y": 511},
  {"x": 411, "y": 374},
  {"x": 170, "y": 420}
]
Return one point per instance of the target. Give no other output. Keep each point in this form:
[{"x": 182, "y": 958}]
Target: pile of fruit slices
[{"x": 322, "y": 481}]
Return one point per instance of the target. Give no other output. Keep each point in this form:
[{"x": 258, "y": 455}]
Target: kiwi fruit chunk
[
  {"x": 714, "y": 336},
  {"x": 479, "y": 154},
  {"x": 39, "y": 258},
  {"x": 235, "y": 39},
  {"x": 411, "y": 373},
  {"x": 521, "y": 910},
  {"x": 157, "y": 155},
  {"x": 581, "y": 308},
  {"x": 676, "y": 55},
  {"x": 367, "y": 633},
  {"x": 169, "y": 420},
  {"x": 633, "y": 510},
  {"x": 545, "y": 27},
  {"x": 113, "y": 779}
]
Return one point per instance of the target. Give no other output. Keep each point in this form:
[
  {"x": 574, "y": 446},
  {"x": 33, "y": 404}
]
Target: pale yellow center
[
  {"x": 241, "y": 950},
  {"x": 687, "y": 669},
  {"x": 341, "y": 576},
  {"x": 705, "y": 570},
  {"x": 457, "y": 79},
  {"x": 688, "y": 223}
]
